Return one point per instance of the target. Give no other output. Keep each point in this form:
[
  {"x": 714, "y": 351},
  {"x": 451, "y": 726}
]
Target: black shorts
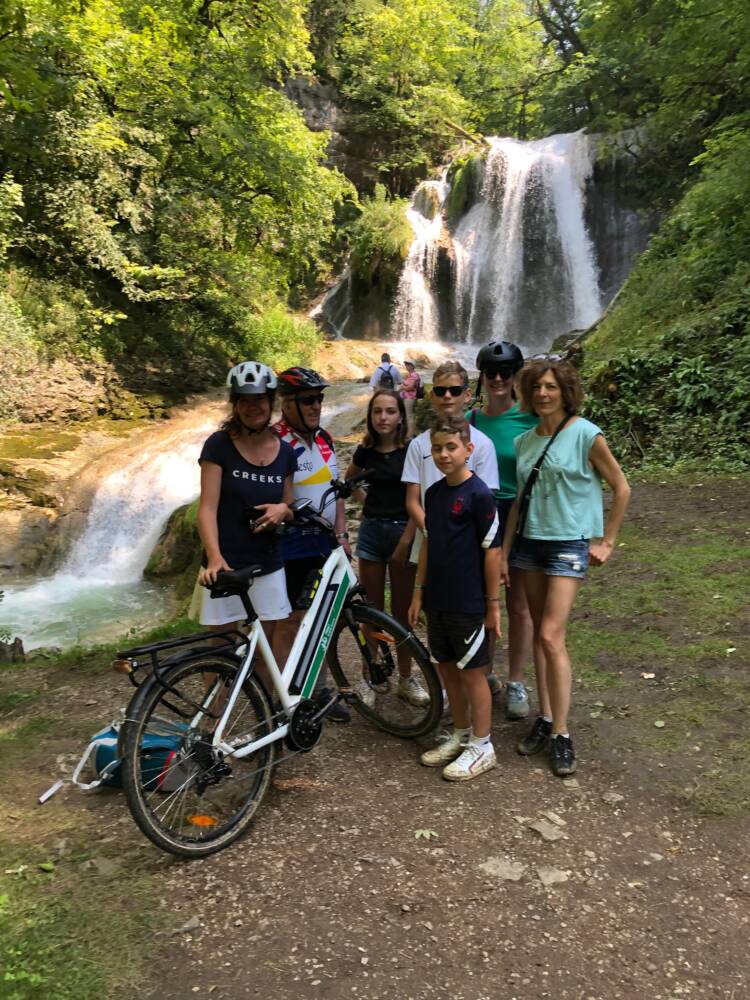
[
  {"x": 458, "y": 638},
  {"x": 297, "y": 572}
]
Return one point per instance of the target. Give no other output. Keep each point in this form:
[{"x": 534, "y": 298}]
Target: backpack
[
  {"x": 162, "y": 768},
  {"x": 420, "y": 388},
  {"x": 386, "y": 380}
]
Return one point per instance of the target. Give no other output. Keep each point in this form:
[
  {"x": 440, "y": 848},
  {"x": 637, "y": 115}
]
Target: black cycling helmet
[
  {"x": 500, "y": 352},
  {"x": 293, "y": 380}
]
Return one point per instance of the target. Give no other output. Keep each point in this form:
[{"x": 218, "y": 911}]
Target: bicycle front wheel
[
  {"x": 185, "y": 798},
  {"x": 365, "y": 648}
]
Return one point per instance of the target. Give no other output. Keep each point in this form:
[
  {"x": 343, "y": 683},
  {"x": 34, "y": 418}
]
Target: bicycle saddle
[{"x": 235, "y": 583}]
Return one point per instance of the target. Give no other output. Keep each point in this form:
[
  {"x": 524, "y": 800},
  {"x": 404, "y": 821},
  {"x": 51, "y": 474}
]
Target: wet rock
[{"x": 12, "y": 652}]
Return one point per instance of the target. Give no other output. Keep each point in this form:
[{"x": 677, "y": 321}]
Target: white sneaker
[
  {"x": 365, "y": 693},
  {"x": 475, "y": 760},
  {"x": 450, "y": 745},
  {"x": 409, "y": 689}
]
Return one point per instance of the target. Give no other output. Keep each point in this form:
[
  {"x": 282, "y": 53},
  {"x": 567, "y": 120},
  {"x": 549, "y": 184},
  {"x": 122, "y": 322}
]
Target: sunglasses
[
  {"x": 312, "y": 399},
  {"x": 454, "y": 390},
  {"x": 546, "y": 357},
  {"x": 492, "y": 371}
]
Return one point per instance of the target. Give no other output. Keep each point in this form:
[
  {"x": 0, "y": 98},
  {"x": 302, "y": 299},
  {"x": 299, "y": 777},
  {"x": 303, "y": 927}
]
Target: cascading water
[
  {"x": 98, "y": 591},
  {"x": 524, "y": 264},
  {"x": 416, "y": 314}
]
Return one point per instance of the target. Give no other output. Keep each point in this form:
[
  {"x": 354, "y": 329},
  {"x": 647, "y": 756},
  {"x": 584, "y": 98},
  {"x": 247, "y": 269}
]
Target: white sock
[
  {"x": 561, "y": 734},
  {"x": 483, "y": 742},
  {"x": 547, "y": 718}
]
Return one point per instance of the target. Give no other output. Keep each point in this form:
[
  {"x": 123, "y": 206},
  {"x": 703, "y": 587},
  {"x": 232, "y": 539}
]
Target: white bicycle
[{"x": 202, "y": 731}]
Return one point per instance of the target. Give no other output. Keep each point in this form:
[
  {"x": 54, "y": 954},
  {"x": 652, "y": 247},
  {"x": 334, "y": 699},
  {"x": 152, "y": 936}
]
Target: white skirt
[{"x": 268, "y": 594}]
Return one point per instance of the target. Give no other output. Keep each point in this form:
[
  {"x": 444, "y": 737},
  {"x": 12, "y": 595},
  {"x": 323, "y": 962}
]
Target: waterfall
[
  {"x": 416, "y": 314},
  {"x": 524, "y": 264},
  {"x": 98, "y": 591}
]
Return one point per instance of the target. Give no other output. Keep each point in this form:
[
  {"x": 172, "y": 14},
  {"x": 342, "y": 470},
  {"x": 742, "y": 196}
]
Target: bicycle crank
[{"x": 305, "y": 727}]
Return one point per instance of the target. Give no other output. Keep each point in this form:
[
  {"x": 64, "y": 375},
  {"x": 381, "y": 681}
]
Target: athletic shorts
[
  {"x": 552, "y": 558},
  {"x": 378, "y": 538},
  {"x": 460, "y": 638},
  {"x": 267, "y": 593},
  {"x": 297, "y": 572}
]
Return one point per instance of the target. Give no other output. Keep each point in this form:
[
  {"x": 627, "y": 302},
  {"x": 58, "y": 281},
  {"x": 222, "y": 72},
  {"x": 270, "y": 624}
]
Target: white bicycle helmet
[{"x": 251, "y": 378}]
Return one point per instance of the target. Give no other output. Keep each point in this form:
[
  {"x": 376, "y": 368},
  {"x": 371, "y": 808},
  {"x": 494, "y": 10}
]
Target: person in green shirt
[{"x": 500, "y": 418}]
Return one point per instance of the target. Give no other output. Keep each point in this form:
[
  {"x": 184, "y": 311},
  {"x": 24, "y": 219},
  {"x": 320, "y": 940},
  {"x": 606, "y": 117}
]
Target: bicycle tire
[
  {"x": 349, "y": 657},
  {"x": 161, "y": 713}
]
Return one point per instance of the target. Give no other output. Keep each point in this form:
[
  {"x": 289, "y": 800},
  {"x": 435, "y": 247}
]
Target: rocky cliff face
[{"x": 321, "y": 107}]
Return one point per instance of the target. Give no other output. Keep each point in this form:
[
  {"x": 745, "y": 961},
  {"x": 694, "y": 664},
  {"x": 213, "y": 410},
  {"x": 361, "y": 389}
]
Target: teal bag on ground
[{"x": 164, "y": 769}]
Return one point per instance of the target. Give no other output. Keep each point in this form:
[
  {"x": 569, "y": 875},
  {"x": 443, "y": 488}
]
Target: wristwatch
[{"x": 342, "y": 534}]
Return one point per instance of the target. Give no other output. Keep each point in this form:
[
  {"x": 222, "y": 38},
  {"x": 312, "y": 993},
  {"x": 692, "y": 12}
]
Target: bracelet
[
  {"x": 493, "y": 599},
  {"x": 419, "y": 586},
  {"x": 342, "y": 534}
]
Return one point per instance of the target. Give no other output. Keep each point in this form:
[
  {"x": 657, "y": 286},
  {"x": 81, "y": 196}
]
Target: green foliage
[
  {"x": 381, "y": 237},
  {"x": 159, "y": 187},
  {"x": 669, "y": 368},
  {"x": 463, "y": 177}
]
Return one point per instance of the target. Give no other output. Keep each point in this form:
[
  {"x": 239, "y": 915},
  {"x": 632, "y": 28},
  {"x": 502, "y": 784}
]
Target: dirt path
[{"x": 638, "y": 886}]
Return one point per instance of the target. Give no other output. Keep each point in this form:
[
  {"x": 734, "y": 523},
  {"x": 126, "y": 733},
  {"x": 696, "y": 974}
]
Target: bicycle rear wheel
[
  {"x": 183, "y": 797},
  {"x": 365, "y": 645}
]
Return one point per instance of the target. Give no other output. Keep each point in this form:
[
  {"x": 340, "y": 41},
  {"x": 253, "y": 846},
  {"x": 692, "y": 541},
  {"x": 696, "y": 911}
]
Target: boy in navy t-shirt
[{"x": 458, "y": 584}]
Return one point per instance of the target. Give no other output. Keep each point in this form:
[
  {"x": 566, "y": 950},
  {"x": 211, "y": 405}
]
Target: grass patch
[
  {"x": 66, "y": 931},
  {"x": 11, "y": 700}
]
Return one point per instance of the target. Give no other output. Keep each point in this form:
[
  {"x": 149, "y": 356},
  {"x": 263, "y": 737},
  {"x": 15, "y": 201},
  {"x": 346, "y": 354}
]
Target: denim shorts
[
  {"x": 378, "y": 538},
  {"x": 570, "y": 558}
]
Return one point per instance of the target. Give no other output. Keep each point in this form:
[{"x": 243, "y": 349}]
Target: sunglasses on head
[
  {"x": 492, "y": 371},
  {"x": 546, "y": 357},
  {"x": 454, "y": 390},
  {"x": 311, "y": 400}
]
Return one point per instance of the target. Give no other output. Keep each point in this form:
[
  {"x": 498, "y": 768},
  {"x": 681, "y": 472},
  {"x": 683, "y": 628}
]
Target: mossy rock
[
  {"x": 30, "y": 483},
  {"x": 177, "y": 553},
  {"x": 464, "y": 178}
]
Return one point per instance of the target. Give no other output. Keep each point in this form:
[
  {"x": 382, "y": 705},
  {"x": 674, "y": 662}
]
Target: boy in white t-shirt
[{"x": 450, "y": 396}]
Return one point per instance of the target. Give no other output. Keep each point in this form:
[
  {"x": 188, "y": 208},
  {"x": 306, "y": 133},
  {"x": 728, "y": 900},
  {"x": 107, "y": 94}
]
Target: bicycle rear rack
[{"x": 128, "y": 661}]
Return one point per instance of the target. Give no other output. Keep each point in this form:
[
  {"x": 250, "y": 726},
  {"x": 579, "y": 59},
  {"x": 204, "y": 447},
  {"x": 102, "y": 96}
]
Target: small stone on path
[
  {"x": 612, "y": 798},
  {"x": 554, "y": 818},
  {"x": 502, "y": 868},
  {"x": 546, "y": 830},
  {"x": 551, "y": 876}
]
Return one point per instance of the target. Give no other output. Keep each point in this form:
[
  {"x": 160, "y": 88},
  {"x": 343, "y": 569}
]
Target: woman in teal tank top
[
  {"x": 560, "y": 519},
  {"x": 501, "y": 419}
]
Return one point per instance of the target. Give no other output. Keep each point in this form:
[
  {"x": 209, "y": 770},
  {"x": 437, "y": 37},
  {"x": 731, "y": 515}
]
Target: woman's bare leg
[{"x": 402, "y": 586}]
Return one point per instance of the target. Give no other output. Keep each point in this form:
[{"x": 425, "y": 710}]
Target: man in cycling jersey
[{"x": 305, "y": 548}]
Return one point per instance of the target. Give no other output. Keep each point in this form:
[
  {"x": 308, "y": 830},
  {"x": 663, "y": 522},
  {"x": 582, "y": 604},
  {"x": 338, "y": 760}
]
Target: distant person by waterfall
[
  {"x": 386, "y": 375},
  {"x": 501, "y": 419},
  {"x": 246, "y": 489},
  {"x": 552, "y": 531},
  {"x": 410, "y": 393}
]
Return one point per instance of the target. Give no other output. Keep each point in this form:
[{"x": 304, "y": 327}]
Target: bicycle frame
[{"x": 305, "y": 658}]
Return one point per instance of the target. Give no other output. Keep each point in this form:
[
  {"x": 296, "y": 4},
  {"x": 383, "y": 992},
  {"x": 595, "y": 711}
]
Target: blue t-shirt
[
  {"x": 243, "y": 486},
  {"x": 460, "y": 523},
  {"x": 566, "y": 501},
  {"x": 502, "y": 432}
]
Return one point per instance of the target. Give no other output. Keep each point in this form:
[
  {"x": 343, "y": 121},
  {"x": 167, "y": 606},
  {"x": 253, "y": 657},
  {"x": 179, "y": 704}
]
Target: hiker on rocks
[
  {"x": 410, "y": 392},
  {"x": 386, "y": 532},
  {"x": 386, "y": 375},
  {"x": 458, "y": 583},
  {"x": 555, "y": 528}
]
